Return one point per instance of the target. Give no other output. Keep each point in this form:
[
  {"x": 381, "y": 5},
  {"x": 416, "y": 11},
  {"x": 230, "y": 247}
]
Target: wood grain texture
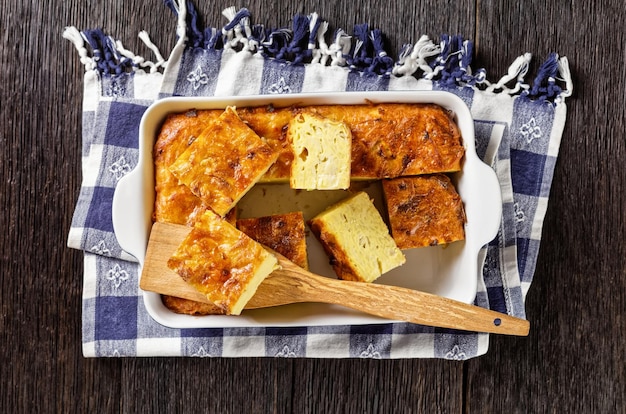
[{"x": 574, "y": 359}]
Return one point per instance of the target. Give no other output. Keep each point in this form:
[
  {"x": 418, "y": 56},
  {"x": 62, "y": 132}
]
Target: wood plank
[
  {"x": 574, "y": 359},
  {"x": 378, "y": 386},
  {"x": 253, "y": 385}
]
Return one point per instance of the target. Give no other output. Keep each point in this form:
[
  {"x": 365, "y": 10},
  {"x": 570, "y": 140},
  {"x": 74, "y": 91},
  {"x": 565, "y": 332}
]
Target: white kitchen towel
[{"x": 518, "y": 128}]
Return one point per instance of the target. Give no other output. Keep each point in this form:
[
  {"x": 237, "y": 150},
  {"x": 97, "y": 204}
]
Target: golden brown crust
[
  {"x": 390, "y": 140},
  {"x": 271, "y": 124},
  {"x": 224, "y": 162},
  {"x": 283, "y": 233},
  {"x": 174, "y": 202},
  {"x": 190, "y": 307},
  {"x": 337, "y": 257},
  {"x": 221, "y": 262},
  {"x": 424, "y": 210},
  {"x": 292, "y": 245}
]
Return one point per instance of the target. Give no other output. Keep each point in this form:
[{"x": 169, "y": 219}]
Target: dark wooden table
[{"x": 574, "y": 359}]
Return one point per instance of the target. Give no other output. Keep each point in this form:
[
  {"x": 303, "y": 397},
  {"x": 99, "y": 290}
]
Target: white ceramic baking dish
[{"x": 451, "y": 271}]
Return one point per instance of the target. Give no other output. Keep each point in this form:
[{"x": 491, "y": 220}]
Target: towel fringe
[
  {"x": 234, "y": 33},
  {"x": 566, "y": 76},
  {"x": 179, "y": 8},
  {"x": 247, "y": 38},
  {"x": 109, "y": 56},
  {"x": 160, "y": 61},
  {"x": 106, "y": 58},
  {"x": 382, "y": 63},
  {"x": 296, "y": 50},
  {"x": 72, "y": 34},
  {"x": 321, "y": 54},
  {"x": 414, "y": 58},
  {"x": 517, "y": 71},
  {"x": 340, "y": 48},
  {"x": 139, "y": 61},
  {"x": 359, "y": 59},
  {"x": 447, "y": 62},
  {"x": 544, "y": 86},
  {"x": 276, "y": 41},
  {"x": 314, "y": 24}
]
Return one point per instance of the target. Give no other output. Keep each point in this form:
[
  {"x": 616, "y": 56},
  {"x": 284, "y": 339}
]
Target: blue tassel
[
  {"x": 456, "y": 48},
  {"x": 360, "y": 59},
  {"x": 296, "y": 50},
  {"x": 171, "y": 6},
  {"x": 449, "y": 61},
  {"x": 237, "y": 19},
  {"x": 544, "y": 84},
  {"x": 276, "y": 41},
  {"x": 212, "y": 38},
  {"x": 92, "y": 38},
  {"x": 443, "y": 55},
  {"x": 465, "y": 59},
  {"x": 117, "y": 63},
  {"x": 454, "y": 62},
  {"x": 102, "y": 56},
  {"x": 258, "y": 33},
  {"x": 195, "y": 35},
  {"x": 235, "y": 33},
  {"x": 105, "y": 54},
  {"x": 468, "y": 77},
  {"x": 466, "y": 56},
  {"x": 381, "y": 63}
]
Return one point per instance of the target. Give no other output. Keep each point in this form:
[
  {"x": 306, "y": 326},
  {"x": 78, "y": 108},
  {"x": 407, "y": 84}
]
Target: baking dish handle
[
  {"x": 132, "y": 211},
  {"x": 491, "y": 199}
]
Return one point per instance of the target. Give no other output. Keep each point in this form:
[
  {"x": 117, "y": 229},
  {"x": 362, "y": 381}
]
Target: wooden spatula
[{"x": 292, "y": 284}]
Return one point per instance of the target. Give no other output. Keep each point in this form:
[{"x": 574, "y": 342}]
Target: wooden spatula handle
[
  {"x": 391, "y": 302},
  {"x": 402, "y": 304}
]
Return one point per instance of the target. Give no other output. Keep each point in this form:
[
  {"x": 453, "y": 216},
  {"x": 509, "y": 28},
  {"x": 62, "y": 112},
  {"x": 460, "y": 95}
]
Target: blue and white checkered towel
[{"x": 518, "y": 131}]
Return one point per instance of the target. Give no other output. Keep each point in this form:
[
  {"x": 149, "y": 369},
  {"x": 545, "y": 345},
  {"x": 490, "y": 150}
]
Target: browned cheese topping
[
  {"x": 174, "y": 201},
  {"x": 221, "y": 262},
  {"x": 424, "y": 211},
  {"x": 224, "y": 162},
  {"x": 283, "y": 233}
]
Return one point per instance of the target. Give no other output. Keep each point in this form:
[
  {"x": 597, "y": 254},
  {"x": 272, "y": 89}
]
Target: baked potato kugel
[
  {"x": 388, "y": 140},
  {"x": 224, "y": 162},
  {"x": 222, "y": 263},
  {"x": 283, "y": 233},
  {"x": 424, "y": 210}
]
